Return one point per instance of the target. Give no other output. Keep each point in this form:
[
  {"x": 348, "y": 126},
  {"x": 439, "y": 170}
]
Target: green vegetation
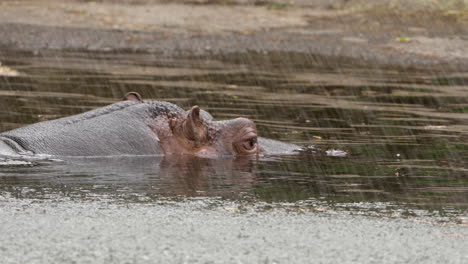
[
  {"x": 403, "y": 39},
  {"x": 277, "y": 6}
]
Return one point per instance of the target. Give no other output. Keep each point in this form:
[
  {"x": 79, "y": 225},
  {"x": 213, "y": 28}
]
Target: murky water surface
[{"x": 406, "y": 132}]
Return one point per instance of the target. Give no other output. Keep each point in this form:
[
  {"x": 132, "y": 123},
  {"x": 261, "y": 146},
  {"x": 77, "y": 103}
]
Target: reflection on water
[
  {"x": 154, "y": 176},
  {"x": 406, "y": 131}
]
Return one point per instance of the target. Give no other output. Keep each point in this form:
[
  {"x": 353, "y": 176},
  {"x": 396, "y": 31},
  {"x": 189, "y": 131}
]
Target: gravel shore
[{"x": 391, "y": 33}]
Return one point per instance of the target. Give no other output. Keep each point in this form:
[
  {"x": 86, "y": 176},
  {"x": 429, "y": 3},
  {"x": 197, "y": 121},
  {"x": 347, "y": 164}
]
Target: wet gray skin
[
  {"x": 118, "y": 129},
  {"x": 123, "y": 128}
]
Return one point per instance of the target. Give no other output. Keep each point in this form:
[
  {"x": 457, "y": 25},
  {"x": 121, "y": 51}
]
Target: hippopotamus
[{"x": 138, "y": 127}]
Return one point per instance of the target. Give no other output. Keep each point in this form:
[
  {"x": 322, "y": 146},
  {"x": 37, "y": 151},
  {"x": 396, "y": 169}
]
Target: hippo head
[
  {"x": 194, "y": 132},
  {"x": 189, "y": 133}
]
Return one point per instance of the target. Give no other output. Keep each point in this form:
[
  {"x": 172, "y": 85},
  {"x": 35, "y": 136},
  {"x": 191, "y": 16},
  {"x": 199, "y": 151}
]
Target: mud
[
  {"x": 390, "y": 33},
  {"x": 213, "y": 231}
]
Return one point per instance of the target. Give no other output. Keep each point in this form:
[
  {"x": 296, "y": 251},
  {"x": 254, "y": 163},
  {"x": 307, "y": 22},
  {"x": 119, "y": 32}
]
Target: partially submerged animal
[{"x": 137, "y": 127}]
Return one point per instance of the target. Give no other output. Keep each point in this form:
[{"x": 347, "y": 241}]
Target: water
[{"x": 405, "y": 130}]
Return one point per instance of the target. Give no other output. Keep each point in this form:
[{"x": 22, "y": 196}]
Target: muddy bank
[{"x": 391, "y": 34}]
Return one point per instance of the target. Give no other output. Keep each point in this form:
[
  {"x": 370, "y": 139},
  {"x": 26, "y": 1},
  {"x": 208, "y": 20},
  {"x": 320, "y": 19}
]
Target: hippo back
[{"x": 122, "y": 128}]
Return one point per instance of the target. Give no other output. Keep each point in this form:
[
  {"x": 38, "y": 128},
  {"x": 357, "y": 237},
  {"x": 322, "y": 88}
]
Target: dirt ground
[{"x": 420, "y": 34}]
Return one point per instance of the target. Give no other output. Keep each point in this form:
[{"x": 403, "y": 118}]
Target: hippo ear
[
  {"x": 193, "y": 126},
  {"x": 132, "y": 96}
]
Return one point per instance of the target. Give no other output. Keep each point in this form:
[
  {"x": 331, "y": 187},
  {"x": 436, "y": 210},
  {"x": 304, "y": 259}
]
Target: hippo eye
[{"x": 250, "y": 143}]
